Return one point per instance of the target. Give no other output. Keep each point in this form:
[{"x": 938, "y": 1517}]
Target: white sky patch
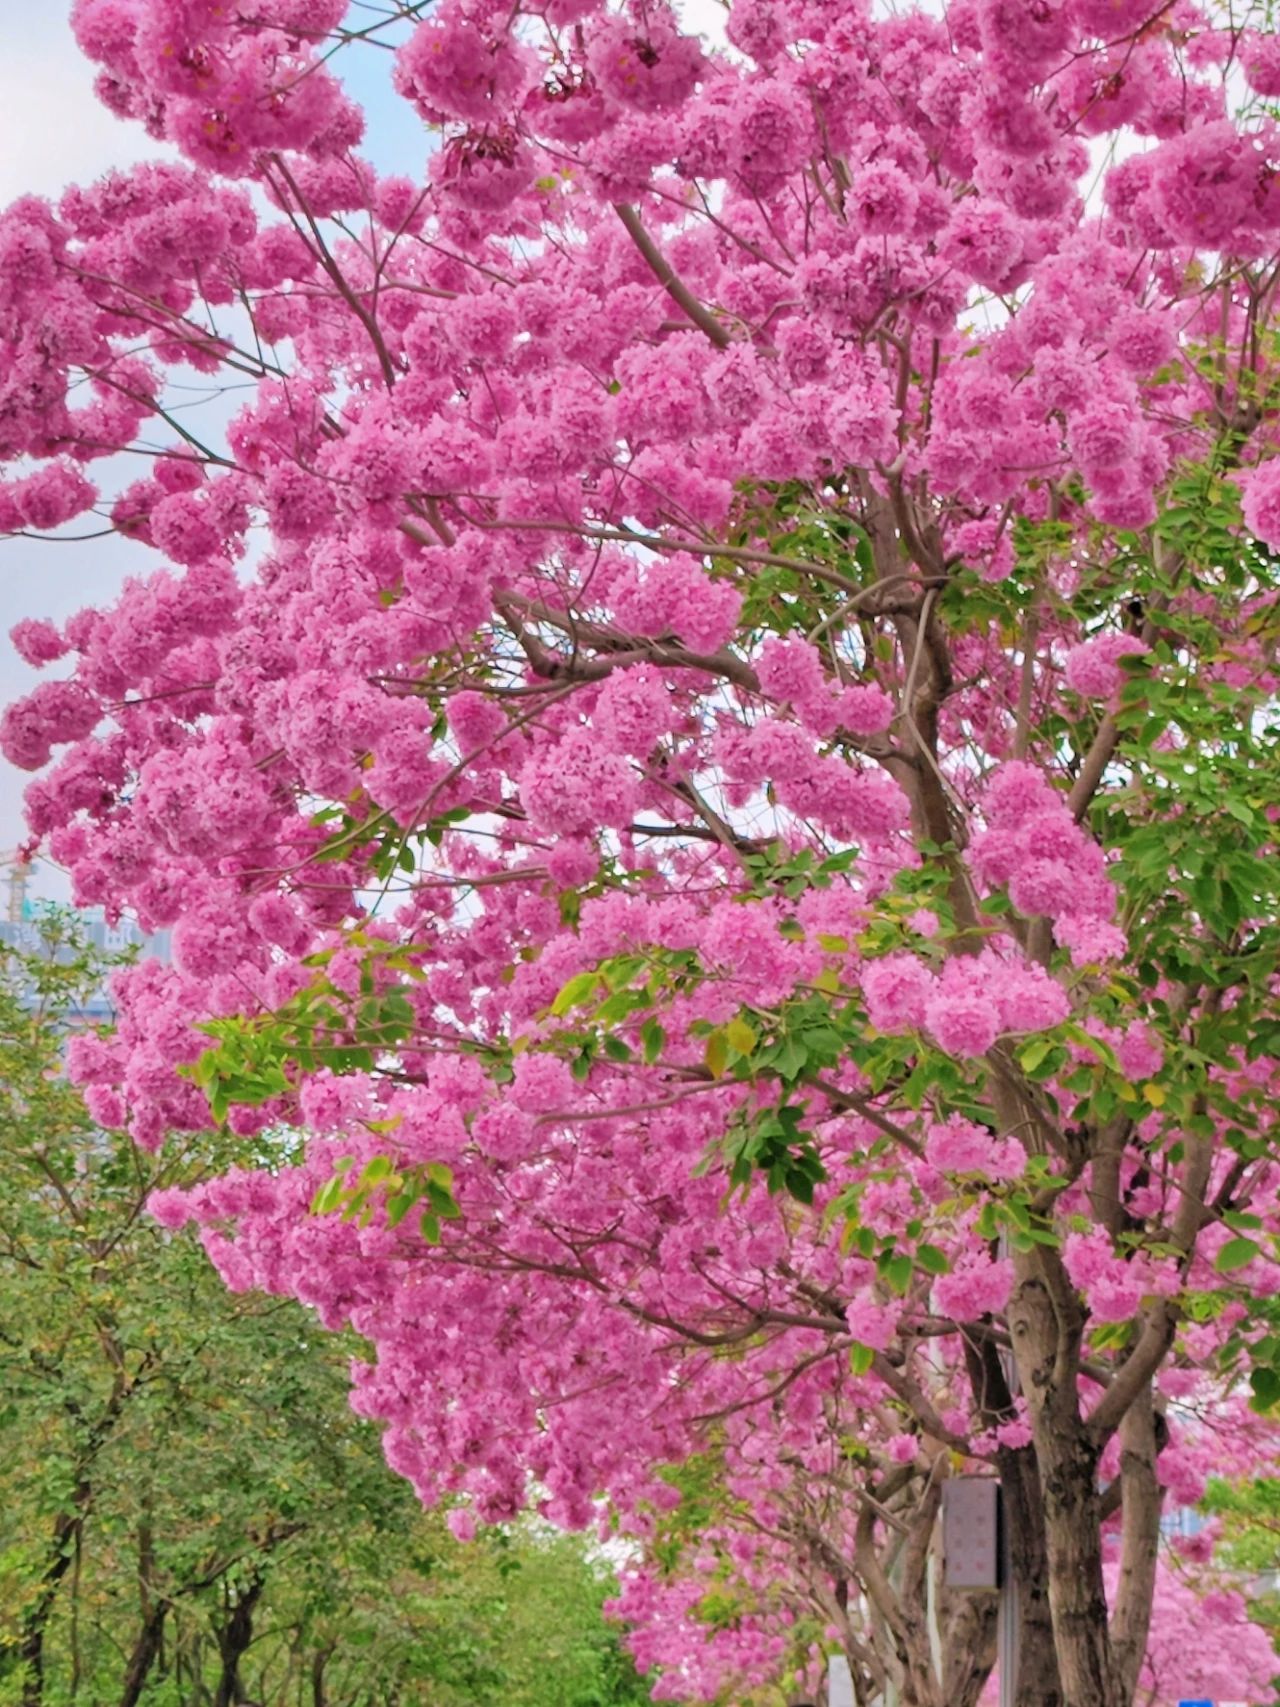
[{"x": 53, "y": 129}]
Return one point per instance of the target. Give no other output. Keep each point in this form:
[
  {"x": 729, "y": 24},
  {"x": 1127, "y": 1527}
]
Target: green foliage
[{"x": 171, "y": 1452}]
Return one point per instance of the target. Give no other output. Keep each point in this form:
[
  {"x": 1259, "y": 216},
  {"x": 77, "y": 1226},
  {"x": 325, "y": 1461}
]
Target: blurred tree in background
[{"x": 191, "y": 1512}]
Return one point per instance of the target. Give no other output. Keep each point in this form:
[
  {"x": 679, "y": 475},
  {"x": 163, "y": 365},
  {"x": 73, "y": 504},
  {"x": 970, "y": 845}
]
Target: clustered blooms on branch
[{"x": 698, "y": 653}]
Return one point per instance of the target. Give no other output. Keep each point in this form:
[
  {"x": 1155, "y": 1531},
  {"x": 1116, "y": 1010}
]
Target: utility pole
[{"x": 1007, "y": 1617}]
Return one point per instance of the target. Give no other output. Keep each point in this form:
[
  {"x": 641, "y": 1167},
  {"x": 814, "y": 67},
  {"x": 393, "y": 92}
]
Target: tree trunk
[
  {"x": 1047, "y": 1326},
  {"x": 318, "y": 1664},
  {"x": 968, "y": 1646},
  {"x": 1038, "y": 1683},
  {"x": 146, "y": 1649},
  {"x": 68, "y": 1530},
  {"x": 1140, "y": 1541},
  {"x": 1073, "y": 1545},
  {"x": 233, "y": 1641},
  {"x": 35, "y": 1622}
]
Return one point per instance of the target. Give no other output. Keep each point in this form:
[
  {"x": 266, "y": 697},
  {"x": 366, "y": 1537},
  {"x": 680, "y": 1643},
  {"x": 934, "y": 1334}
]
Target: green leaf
[
  {"x": 578, "y": 990},
  {"x": 791, "y": 1058},
  {"x": 716, "y": 1054},
  {"x": 740, "y": 1036},
  {"x": 1266, "y": 1389},
  {"x": 1033, "y": 1053},
  {"x": 329, "y": 1196},
  {"x": 621, "y": 1005},
  {"x": 861, "y": 1357},
  {"x": 1235, "y": 1254},
  {"x": 932, "y": 1260},
  {"x": 1104, "y": 1052},
  {"x": 399, "y": 1206}
]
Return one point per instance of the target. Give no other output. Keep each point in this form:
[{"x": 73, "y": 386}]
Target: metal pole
[{"x": 1007, "y": 1616}]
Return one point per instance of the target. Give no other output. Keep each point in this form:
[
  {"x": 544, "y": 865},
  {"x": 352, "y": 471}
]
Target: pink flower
[
  {"x": 1113, "y": 1288},
  {"x": 542, "y": 1083},
  {"x": 1092, "y": 669},
  {"x": 977, "y": 1286},
  {"x": 1139, "y": 1052},
  {"x": 171, "y": 1207},
  {"x": 865, "y": 709},
  {"x": 883, "y": 199},
  {"x": 633, "y": 711},
  {"x": 37, "y": 642},
  {"x": 957, "y": 1146},
  {"x": 1090, "y": 940},
  {"x": 1014, "y": 1434},
  {"x": 52, "y": 496},
  {"x": 1027, "y": 997},
  {"x": 791, "y": 670},
  {"x": 644, "y": 64},
  {"x": 1260, "y": 54},
  {"x": 53, "y": 713},
  {"x": 451, "y": 68},
  {"x": 962, "y": 1021},
  {"x": 1262, "y": 503},
  {"x": 1102, "y": 435},
  {"x": 574, "y": 786},
  {"x": 677, "y": 594},
  {"x": 896, "y": 989},
  {"x": 461, "y": 1521}
]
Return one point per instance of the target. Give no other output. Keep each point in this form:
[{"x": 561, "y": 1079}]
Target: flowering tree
[{"x": 731, "y": 796}]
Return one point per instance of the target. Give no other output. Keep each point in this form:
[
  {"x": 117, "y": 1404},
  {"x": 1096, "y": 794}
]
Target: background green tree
[{"x": 191, "y": 1512}]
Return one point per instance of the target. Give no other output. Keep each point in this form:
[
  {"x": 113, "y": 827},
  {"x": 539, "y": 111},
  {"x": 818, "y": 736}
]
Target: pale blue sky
[{"x": 54, "y": 133}]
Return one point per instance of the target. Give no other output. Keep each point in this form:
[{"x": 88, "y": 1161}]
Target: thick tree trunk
[
  {"x": 1140, "y": 1541},
  {"x": 1047, "y": 1324},
  {"x": 968, "y": 1647},
  {"x": 1038, "y": 1683},
  {"x": 1073, "y": 1548}
]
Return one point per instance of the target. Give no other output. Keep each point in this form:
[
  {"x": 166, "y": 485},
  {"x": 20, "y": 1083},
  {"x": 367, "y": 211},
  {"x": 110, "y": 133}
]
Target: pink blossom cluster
[
  {"x": 965, "y": 1007},
  {"x": 642, "y": 672},
  {"x": 1031, "y": 844}
]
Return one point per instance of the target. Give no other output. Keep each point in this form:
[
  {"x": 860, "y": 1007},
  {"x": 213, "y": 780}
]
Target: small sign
[
  {"x": 1195, "y": 1704},
  {"x": 839, "y": 1682},
  {"x": 971, "y": 1532}
]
